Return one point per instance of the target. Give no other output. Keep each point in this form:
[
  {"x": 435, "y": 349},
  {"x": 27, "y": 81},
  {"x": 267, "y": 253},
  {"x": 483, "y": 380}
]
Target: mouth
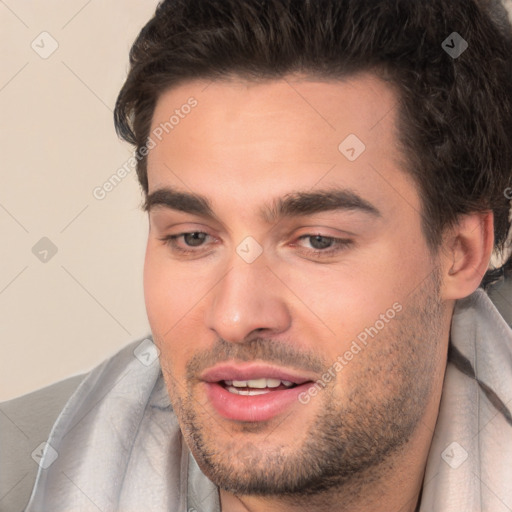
[
  {"x": 253, "y": 393},
  {"x": 255, "y": 387}
]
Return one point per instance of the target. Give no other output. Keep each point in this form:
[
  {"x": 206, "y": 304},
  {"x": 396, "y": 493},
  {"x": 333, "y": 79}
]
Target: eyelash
[
  {"x": 170, "y": 241},
  {"x": 339, "y": 244}
]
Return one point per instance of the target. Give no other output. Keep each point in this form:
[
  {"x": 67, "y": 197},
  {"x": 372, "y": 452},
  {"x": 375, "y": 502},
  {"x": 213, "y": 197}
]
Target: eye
[
  {"x": 323, "y": 245},
  {"x": 319, "y": 242},
  {"x": 190, "y": 240},
  {"x": 194, "y": 239}
]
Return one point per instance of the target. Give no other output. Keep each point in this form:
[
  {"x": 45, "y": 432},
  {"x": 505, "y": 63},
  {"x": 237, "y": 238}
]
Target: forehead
[
  {"x": 325, "y": 110},
  {"x": 276, "y": 136}
]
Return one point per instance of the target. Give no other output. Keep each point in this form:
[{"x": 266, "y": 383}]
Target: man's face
[{"x": 309, "y": 266}]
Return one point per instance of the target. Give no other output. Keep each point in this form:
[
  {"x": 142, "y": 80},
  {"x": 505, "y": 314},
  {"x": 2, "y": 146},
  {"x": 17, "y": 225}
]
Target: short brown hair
[{"x": 455, "y": 112}]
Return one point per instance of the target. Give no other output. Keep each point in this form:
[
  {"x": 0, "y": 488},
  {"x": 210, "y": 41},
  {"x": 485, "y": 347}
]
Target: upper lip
[{"x": 249, "y": 371}]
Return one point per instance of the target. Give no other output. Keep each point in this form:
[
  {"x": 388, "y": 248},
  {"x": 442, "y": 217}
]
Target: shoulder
[{"x": 25, "y": 423}]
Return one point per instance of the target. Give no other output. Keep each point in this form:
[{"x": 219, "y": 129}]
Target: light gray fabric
[
  {"x": 25, "y": 423},
  {"x": 120, "y": 448},
  {"x": 501, "y": 295},
  {"x": 483, "y": 482}
]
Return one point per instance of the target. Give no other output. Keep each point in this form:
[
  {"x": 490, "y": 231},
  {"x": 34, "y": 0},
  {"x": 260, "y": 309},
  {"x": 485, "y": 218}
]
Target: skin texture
[{"x": 368, "y": 431}]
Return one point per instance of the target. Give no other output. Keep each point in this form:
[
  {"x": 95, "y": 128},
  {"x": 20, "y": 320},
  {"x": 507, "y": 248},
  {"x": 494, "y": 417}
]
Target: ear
[{"x": 466, "y": 252}]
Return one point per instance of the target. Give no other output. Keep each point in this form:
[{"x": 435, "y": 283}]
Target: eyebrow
[{"x": 294, "y": 204}]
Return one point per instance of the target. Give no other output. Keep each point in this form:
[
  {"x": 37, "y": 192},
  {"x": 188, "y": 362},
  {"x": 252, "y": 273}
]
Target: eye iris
[
  {"x": 194, "y": 239},
  {"x": 320, "y": 242}
]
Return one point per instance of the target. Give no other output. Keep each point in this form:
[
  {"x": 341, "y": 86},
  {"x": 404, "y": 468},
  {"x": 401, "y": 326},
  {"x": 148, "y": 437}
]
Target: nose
[{"x": 248, "y": 301}]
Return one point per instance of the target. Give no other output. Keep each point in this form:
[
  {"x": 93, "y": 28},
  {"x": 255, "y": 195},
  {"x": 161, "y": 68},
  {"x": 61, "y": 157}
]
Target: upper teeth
[{"x": 258, "y": 383}]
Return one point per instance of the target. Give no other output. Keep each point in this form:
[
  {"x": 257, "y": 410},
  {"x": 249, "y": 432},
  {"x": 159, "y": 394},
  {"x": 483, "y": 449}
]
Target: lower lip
[{"x": 252, "y": 408}]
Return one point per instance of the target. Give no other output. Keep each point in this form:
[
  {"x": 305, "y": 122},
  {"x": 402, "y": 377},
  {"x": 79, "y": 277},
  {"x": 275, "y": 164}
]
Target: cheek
[
  {"x": 352, "y": 297},
  {"x": 167, "y": 292},
  {"x": 172, "y": 308},
  {"x": 156, "y": 289}
]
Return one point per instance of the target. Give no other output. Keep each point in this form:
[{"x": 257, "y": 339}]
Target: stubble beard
[{"x": 356, "y": 437}]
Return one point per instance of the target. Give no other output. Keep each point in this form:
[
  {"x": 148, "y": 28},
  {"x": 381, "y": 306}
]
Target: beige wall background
[
  {"x": 70, "y": 264},
  {"x": 63, "y": 63}
]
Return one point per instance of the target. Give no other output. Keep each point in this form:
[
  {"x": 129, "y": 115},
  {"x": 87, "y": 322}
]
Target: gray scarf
[{"x": 120, "y": 448}]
